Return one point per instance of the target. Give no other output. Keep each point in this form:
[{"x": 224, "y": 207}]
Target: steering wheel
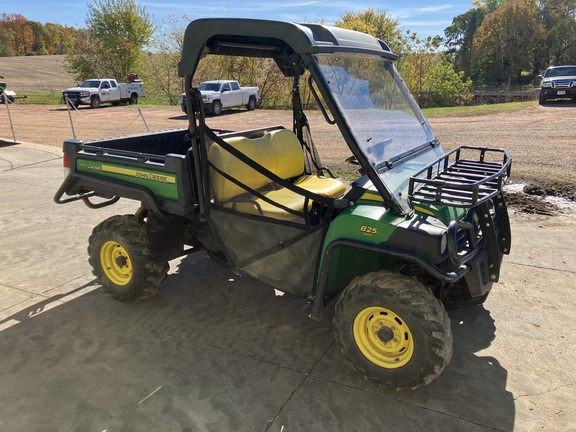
[{"x": 377, "y": 149}]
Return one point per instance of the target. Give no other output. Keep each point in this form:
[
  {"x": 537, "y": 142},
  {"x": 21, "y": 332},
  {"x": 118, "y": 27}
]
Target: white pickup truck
[
  {"x": 96, "y": 91},
  {"x": 224, "y": 94}
]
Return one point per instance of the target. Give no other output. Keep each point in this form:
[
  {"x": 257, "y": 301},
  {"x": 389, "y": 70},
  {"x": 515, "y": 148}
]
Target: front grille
[
  {"x": 72, "y": 95},
  {"x": 563, "y": 84}
]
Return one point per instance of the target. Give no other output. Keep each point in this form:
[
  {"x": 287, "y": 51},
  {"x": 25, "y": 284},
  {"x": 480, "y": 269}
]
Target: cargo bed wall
[
  {"x": 152, "y": 168},
  {"x": 156, "y": 143}
]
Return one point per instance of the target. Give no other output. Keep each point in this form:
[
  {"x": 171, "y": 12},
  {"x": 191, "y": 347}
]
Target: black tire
[
  {"x": 133, "y": 99},
  {"x": 216, "y": 108},
  {"x": 541, "y": 100},
  {"x": 95, "y": 102},
  {"x": 121, "y": 258},
  {"x": 413, "y": 341},
  {"x": 251, "y": 106}
]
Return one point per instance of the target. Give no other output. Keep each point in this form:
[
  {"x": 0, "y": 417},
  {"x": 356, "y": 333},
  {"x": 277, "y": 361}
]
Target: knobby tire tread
[
  {"x": 132, "y": 231},
  {"x": 423, "y": 306}
]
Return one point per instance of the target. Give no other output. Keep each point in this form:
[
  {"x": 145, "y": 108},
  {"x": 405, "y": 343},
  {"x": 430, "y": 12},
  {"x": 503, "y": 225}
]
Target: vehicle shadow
[
  {"x": 471, "y": 388},
  {"x": 179, "y": 117},
  {"x": 216, "y": 351}
]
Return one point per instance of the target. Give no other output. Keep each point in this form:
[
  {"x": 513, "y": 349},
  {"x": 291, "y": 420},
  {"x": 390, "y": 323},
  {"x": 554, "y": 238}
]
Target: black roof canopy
[{"x": 274, "y": 39}]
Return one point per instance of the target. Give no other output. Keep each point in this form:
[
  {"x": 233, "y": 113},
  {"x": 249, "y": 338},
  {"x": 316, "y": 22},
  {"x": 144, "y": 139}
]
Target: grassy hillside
[{"x": 35, "y": 74}]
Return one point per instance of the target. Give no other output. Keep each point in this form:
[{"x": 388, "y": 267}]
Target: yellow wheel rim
[
  {"x": 116, "y": 263},
  {"x": 383, "y": 337}
]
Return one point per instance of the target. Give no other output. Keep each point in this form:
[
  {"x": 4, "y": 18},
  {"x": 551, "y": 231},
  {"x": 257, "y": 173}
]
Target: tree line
[
  {"x": 18, "y": 36},
  {"x": 509, "y": 42}
]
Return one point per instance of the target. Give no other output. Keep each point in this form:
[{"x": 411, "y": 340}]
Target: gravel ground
[{"x": 539, "y": 139}]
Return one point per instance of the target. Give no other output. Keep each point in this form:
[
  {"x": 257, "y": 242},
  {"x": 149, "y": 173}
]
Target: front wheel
[
  {"x": 541, "y": 100},
  {"x": 121, "y": 258},
  {"x": 95, "y": 102},
  {"x": 393, "y": 330},
  {"x": 216, "y": 108}
]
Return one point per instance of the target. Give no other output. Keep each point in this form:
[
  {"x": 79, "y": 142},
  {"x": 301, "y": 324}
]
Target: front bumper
[
  {"x": 562, "y": 92},
  {"x": 75, "y": 98}
]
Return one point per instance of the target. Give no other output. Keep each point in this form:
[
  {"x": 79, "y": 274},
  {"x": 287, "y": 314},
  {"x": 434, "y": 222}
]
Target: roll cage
[{"x": 292, "y": 47}]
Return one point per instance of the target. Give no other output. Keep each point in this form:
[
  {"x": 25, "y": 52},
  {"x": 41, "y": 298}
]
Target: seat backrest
[{"x": 278, "y": 151}]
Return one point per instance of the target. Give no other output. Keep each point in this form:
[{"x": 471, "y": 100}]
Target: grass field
[{"x": 27, "y": 74}]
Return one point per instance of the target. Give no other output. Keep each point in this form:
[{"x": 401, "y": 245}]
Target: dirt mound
[{"x": 544, "y": 198}]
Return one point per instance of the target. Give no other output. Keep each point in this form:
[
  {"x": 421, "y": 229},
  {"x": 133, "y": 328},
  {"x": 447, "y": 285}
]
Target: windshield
[
  {"x": 384, "y": 118},
  {"x": 561, "y": 71},
  {"x": 90, "y": 84},
  {"x": 209, "y": 87}
]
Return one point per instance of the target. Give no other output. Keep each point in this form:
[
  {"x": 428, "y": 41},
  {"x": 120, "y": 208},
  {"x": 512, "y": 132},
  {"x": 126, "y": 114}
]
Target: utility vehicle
[
  {"x": 6, "y": 95},
  {"x": 418, "y": 230},
  {"x": 96, "y": 91}
]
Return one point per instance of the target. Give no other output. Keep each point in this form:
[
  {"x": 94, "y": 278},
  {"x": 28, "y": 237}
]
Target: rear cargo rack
[{"x": 455, "y": 181}]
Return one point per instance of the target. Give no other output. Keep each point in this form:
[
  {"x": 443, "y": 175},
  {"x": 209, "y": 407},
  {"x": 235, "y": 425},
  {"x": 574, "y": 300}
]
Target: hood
[
  {"x": 559, "y": 82},
  {"x": 79, "y": 89},
  {"x": 560, "y": 78}
]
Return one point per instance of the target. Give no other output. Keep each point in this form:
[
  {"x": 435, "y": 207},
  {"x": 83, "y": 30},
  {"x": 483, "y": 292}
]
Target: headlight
[
  {"x": 546, "y": 85},
  {"x": 205, "y": 99},
  {"x": 443, "y": 243},
  {"x": 84, "y": 94}
]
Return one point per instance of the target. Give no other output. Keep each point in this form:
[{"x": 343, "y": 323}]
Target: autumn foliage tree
[
  {"x": 509, "y": 41},
  {"x": 17, "y": 33},
  {"x": 18, "y": 36}
]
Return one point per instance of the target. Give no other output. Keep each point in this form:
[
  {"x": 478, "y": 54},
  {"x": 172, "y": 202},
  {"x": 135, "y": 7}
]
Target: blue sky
[{"x": 425, "y": 17}]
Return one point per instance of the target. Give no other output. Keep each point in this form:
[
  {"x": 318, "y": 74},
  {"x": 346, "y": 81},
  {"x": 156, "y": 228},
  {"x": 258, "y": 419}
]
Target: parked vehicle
[
  {"x": 97, "y": 91},
  {"x": 218, "y": 96},
  {"x": 418, "y": 230},
  {"x": 558, "y": 82},
  {"x": 6, "y": 95}
]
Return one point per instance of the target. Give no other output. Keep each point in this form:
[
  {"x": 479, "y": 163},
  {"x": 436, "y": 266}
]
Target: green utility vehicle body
[{"x": 420, "y": 229}]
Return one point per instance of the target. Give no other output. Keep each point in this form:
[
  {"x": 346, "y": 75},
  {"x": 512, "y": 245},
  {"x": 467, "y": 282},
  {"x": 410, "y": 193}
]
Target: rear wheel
[
  {"x": 122, "y": 260},
  {"x": 393, "y": 330},
  {"x": 133, "y": 99},
  {"x": 251, "y": 106},
  {"x": 95, "y": 102}
]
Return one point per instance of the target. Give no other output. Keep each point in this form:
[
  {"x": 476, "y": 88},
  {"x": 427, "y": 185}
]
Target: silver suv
[{"x": 558, "y": 82}]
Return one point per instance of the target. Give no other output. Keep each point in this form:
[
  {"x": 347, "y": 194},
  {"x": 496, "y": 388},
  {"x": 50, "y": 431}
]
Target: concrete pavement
[{"x": 215, "y": 352}]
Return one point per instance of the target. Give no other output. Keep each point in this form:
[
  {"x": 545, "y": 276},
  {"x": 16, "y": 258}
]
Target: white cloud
[{"x": 419, "y": 11}]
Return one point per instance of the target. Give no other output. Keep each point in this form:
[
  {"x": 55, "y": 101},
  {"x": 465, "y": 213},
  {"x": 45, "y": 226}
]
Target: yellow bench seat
[{"x": 278, "y": 151}]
